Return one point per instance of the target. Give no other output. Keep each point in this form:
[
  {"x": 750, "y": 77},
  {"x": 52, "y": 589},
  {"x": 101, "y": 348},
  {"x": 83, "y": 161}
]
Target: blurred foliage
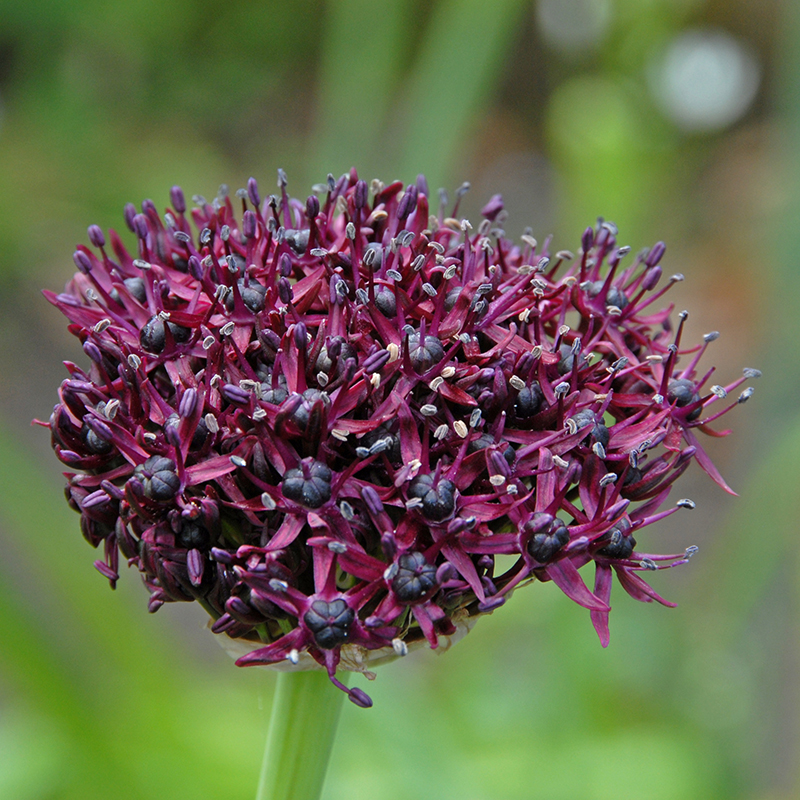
[{"x": 102, "y": 103}]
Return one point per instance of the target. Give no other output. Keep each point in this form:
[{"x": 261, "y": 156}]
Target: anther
[
  {"x": 267, "y": 501},
  {"x": 746, "y": 395},
  {"x": 400, "y": 647},
  {"x": 599, "y": 450},
  {"x": 436, "y": 383},
  {"x": 686, "y": 503},
  {"x": 561, "y": 389},
  {"x": 110, "y": 409}
]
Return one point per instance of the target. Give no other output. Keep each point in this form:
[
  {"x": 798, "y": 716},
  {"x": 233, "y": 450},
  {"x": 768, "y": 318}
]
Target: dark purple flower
[{"x": 326, "y": 420}]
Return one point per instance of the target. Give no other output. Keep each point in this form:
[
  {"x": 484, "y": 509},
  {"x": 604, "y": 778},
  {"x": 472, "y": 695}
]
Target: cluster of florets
[{"x": 326, "y": 419}]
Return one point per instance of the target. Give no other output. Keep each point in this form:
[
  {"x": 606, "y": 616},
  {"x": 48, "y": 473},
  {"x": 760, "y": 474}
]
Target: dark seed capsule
[
  {"x": 424, "y": 354},
  {"x": 544, "y": 545},
  {"x": 200, "y": 433},
  {"x": 451, "y": 297},
  {"x": 159, "y": 478},
  {"x": 193, "y": 537},
  {"x": 633, "y": 475},
  {"x": 486, "y": 440},
  {"x": 275, "y": 396},
  {"x": 338, "y": 349},
  {"x": 601, "y": 434},
  {"x": 297, "y": 240},
  {"x": 529, "y": 401},
  {"x": 415, "y": 577},
  {"x": 681, "y": 391},
  {"x": 179, "y": 333},
  {"x": 309, "y": 484},
  {"x": 614, "y": 297},
  {"x": 586, "y": 418},
  {"x": 386, "y": 302},
  {"x": 136, "y": 287},
  {"x": 438, "y": 502},
  {"x": 94, "y": 443},
  {"x": 252, "y": 293},
  {"x": 329, "y": 622},
  {"x": 620, "y": 545},
  {"x": 302, "y": 413},
  {"x": 153, "y": 337},
  {"x": 567, "y": 360}
]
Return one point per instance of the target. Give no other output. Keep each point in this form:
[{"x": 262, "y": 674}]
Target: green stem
[{"x": 305, "y": 711}]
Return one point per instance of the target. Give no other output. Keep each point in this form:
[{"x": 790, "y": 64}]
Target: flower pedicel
[{"x": 324, "y": 420}]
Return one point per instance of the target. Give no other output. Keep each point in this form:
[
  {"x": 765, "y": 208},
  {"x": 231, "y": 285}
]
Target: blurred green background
[{"x": 677, "y": 119}]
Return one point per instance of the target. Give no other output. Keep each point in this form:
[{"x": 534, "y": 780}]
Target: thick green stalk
[{"x": 305, "y": 711}]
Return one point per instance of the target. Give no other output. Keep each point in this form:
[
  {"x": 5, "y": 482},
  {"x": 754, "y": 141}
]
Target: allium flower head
[{"x": 324, "y": 420}]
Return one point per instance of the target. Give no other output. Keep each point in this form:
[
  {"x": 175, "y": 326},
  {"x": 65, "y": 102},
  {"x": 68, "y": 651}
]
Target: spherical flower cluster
[{"x": 324, "y": 420}]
